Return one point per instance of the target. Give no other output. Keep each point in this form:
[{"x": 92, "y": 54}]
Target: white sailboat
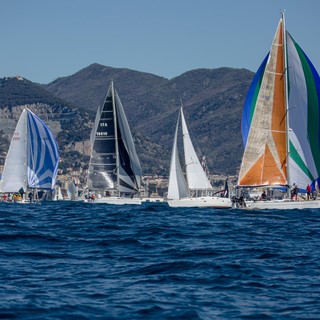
[
  {"x": 57, "y": 194},
  {"x": 280, "y": 124},
  {"x": 72, "y": 191},
  {"x": 33, "y": 156},
  {"x": 195, "y": 190},
  {"x": 114, "y": 175}
]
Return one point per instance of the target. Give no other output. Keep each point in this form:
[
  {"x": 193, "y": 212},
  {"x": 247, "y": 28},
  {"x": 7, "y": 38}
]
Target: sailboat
[
  {"x": 195, "y": 190},
  {"x": 72, "y": 191},
  {"x": 33, "y": 156},
  {"x": 57, "y": 194},
  {"x": 114, "y": 174},
  {"x": 280, "y": 124}
]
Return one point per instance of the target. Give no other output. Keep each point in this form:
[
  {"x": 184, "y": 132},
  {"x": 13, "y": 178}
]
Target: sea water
[{"x": 71, "y": 260}]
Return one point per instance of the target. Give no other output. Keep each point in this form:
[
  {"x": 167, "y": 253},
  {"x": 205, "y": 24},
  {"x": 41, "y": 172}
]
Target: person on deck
[
  {"x": 21, "y": 192},
  {"x": 308, "y": 191},
  {"x": 294, "y": 192},
  {"x": 16, "y": 197},
  {"x": 263, "y": 196}
]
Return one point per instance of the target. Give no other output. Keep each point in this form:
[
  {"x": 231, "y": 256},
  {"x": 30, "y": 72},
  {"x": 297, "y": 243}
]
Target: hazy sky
[{"x": 42, "y": 40}]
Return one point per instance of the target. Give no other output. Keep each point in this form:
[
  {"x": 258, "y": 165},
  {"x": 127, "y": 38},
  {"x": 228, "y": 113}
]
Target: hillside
[
  {"x": 86, "y": 88},
  {"x": 212, "y": 100},
  {"x": 69, "y": 124}
]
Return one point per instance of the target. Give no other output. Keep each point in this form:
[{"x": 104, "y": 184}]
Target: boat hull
[
  {"x": 152, "y": 200},
  {"x": 116, "y": 200},
  {"x": 17, "y": 202},
  {"x": 282, "y": 204},
  {"x": 202, "y": 202}
]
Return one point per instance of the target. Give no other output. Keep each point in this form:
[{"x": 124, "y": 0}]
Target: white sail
[
  {"x": 14, "y": 174},
  {"x": 57, "y": 194},
  {"x": 196, "y": 177},
  {"x": 178, "y": 187},
  {"x": 72, "y": 191}
]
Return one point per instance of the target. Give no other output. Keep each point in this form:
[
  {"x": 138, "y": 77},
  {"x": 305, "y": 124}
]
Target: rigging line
[
  {"x": 268, "y": 130},
  {"x": 264, "y": 156},
  {"x": 275, "y": 73}
]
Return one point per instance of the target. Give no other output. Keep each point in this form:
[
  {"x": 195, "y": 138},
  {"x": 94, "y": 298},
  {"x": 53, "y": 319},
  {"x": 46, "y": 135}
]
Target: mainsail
[
  {"x": 178, "y": 187},
  {"x": 114, "y": 163},
  {"x": 196, "y": 178},
  {"x": 280, "y": 121},
  {"x": 33, "y": 156}
]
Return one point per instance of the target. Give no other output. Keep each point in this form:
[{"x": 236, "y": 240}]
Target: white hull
[
  {"x": 152, "y": 200},
  {"x": 23, "y": 201},
  {"x": 16, "y": 202},
  {"x": 116, "y": 200},
  {"x": 202, "y": 202},
  {"x": 282, "y": 204}
]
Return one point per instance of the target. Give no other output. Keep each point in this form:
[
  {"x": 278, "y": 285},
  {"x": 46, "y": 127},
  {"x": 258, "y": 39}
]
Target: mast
[
  {"x": 115, "y": 135},
  {"x": 25, "y": 138},
  {"x": 286, "y": 97},
  {"x": 184, "y": 133}
]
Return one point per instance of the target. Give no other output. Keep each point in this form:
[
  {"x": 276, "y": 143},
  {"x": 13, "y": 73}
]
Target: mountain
[
  {"x": 212, "y": 100},
  {"x": 87, "y": 88}
]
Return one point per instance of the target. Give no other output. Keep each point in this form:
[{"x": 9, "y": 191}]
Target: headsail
[
  {"x": 196, "y": 176},
  {"x": 43, "y": 154},
  {"x": 304, "y": 116},
  {"x": 129, "y": 165}
]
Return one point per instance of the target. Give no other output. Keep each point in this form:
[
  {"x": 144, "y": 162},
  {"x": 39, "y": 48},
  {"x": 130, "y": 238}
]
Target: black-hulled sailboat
[{"x": 114, "y": 174}]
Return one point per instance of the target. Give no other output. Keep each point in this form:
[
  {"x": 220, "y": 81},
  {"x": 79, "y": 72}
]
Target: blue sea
[{"x": 72, "y": 260}]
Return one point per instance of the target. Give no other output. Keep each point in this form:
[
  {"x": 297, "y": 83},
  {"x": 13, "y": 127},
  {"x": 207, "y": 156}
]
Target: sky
[{"x": 42, "y": 40}]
